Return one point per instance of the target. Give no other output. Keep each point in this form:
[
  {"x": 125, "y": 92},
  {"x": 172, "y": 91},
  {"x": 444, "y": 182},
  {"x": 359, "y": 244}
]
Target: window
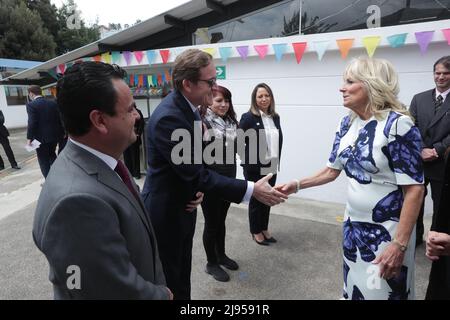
[
  {"x": 278, "y": 20},
  {"x": 16, "y": 95},
  {"x": 319, "y": 16}
]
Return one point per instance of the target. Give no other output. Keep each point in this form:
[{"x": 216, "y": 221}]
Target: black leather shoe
[
  {"x": 262, "y": 243},
  {"x": 270, "y": 240},
  {"x": 217, "y": 272},
  {"x": 15, "y": 167},
  {"x": 228, "y": 263}
]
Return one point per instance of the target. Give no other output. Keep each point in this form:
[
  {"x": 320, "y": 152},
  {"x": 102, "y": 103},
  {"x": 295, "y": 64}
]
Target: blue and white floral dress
[{"x": 378, "y": 156}]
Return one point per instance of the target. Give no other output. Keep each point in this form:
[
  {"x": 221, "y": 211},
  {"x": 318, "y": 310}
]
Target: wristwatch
[{"x": 402, "y": 247}]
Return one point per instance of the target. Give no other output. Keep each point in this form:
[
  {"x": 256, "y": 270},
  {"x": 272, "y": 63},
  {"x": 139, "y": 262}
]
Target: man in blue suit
[
  {"x": 45, "y": 126},
  {"x": 170, "y": 185}
]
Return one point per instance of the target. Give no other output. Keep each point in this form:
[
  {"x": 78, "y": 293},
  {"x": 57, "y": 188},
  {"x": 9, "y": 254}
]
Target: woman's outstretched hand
[{"x": 287, "y": 188}]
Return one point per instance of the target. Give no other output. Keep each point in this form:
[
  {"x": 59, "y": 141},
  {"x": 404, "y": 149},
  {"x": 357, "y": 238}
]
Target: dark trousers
[
  {"x": 258, "y": 212},
  {"x": 175, "y": 251},
  {"x": 132, "y": 158},
  {"x": 215, "y": 211},
  {"x": 439, "y": 281},
  {"x": 436, "y": 190},
  {"x": 46, "y": 154},
  {"x": 4, "y": 141}
]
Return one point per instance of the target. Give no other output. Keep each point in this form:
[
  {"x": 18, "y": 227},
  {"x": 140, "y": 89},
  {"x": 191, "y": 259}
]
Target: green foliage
[{"x": 37, "y": 30}]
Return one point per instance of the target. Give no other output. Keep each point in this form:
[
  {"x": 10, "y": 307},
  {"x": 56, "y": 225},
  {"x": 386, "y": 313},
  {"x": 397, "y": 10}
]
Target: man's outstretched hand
[{"x": 264, "y": 192}]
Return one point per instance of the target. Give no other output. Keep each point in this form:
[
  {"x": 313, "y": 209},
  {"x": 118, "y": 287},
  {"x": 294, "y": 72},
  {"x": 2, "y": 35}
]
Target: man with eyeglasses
[{"x": 170, "y": 186}]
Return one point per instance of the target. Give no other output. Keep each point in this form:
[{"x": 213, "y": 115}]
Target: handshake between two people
[{"x": 262, "y": 191}]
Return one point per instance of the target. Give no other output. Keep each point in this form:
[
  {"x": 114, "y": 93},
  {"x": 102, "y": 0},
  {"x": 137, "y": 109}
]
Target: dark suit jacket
[
  {"x": 434, "y": 129},
  {"x": 87, "y": 217},
  {"x": 3, "y": 131},
  {"x": 170, "y": 186},
  {"x": 44, "y": 121},
  {"x": 439, "y": 284},
  {"x": 250, "y": 121}
]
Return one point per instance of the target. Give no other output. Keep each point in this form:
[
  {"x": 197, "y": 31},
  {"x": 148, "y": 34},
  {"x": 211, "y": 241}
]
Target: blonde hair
[{"x": 381, "y": 84}]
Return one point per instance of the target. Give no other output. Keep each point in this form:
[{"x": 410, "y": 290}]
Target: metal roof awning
[{"x": 174, "y": 18}]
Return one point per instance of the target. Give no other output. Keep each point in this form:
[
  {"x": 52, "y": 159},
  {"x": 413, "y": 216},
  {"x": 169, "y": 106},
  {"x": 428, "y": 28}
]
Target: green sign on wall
[{"x": 221, "y": 72}]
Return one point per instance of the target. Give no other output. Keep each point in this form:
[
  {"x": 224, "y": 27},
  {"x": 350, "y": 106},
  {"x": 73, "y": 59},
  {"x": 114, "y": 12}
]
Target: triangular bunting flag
[
  {"x": 128, "y": 56},
  {"x": 116, "y": 57},
  {"x": 151, "y": 56},
  {"x": 225, "y": 53},
  {"x": 447, "y": 35},
  {"x": 141, "y": 80},
  {"x": 280, "y": 49},
  {"x": 320, "y": 47},
  {"x": 168, "y": 76},
  {"x": 150, "y": 80},
  {"x": 262, "y": 50},
  {"x": 160, "y": 83},
  {"x": 97, "y": 58},
  {"x": 424, "y": 39},
  {"x": 139, "y": 56},
  {"x": 145, "y": 81},
  {"x": 299, "y": 49},
  {"x": 61, "y": 69},
  {"x": 106, "y": 58},
  {"x": 344, "y": 46},
  {"x": 371, "y": 43},
  {"x": 211, "y": 51},
  {"x": 164, "y": 55},
  {"x": 397, "y": 40},
  {"x": 53, "y": 73},
  {"x": 243, "y": 51}
]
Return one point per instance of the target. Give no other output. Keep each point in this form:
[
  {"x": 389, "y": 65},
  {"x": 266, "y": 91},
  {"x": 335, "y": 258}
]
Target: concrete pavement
[{"x": 306, "y": 263}]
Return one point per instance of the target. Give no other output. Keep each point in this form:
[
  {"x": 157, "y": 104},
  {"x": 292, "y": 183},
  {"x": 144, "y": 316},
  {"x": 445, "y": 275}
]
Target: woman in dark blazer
[
  {"x": 262, "y": 155},
  {"x": 220, "y": 126}
]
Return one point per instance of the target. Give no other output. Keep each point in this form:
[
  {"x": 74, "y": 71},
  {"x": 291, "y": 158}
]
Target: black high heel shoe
[
  {"x": 262, "y": 243},
  {"x": 270, "y": 240}
]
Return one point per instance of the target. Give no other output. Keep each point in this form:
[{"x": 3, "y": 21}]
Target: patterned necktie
[
  {"x": 122, "y": 171},
  {"x": 438, "y": 103},
  {"x": 197, "y": 115}
]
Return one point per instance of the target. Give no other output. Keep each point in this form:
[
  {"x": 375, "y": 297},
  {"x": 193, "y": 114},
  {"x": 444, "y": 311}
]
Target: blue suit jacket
[
  {"x": 169, "y": 186},
  {"x": 44, "y": 121}
]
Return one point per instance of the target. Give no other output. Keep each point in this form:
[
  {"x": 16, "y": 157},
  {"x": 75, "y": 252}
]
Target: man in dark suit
[
  {"x": 90, "y": 221},
  {"x": 44, "y": 125},
  {"x": 431, "y": 111},
  {"x": 132, "y": 155},
  {"x": 438, "y": 244},
  {"x": 4, "y": 134},
  {"x": 175, "y": 177}
]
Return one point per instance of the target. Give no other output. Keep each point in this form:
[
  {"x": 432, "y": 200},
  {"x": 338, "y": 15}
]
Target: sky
[{"x": 123, "y": 12}]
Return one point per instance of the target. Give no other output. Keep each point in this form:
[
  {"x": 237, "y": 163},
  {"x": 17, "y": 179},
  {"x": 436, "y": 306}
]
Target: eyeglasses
[{"x": 211, "y": 82}]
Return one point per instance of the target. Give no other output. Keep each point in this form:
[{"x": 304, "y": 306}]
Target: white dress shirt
[
  {"x": 443, "y": 94},
  {"x": 110, "y": 161},
  {"x": 272, "y": 136}
]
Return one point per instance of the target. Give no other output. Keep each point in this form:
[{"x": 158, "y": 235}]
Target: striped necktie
[{"x": 438, "y": 103}]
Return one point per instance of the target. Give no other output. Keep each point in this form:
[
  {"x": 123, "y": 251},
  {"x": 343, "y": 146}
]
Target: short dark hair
[
  {"x": 445, "y": 61},
  {"x": 187, "y": 66},
  {"x": 87, "y": 86},
  {"x": 35, "y": 89}
]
